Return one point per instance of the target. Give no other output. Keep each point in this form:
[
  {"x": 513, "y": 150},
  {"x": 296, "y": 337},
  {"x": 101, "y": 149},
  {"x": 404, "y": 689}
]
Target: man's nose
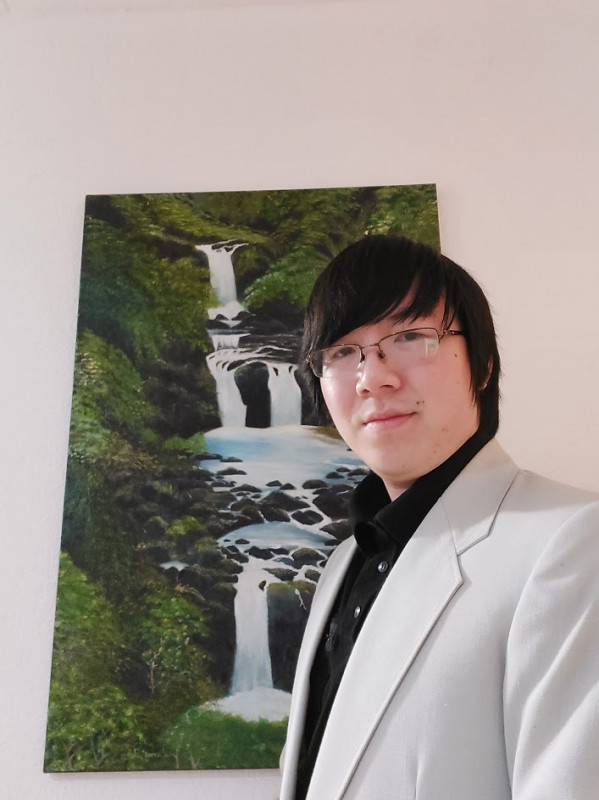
[{"x": 375, "y": 371}]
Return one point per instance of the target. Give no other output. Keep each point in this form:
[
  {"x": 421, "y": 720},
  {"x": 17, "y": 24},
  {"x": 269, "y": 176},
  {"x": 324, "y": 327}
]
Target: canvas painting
[{"x": 202, "y": 498}]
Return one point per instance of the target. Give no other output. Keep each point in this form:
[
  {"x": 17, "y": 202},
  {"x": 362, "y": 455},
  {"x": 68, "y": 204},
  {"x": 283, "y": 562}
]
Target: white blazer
[{"x": 476, "y": 674}]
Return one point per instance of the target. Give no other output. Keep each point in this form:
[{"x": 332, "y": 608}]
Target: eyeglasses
[{"x": 401, "y": 350}]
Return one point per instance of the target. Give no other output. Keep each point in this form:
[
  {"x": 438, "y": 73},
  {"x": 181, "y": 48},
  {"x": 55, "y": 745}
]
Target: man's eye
[
  {"x": 407, "y": 337},
  {"x": 339, "y": 353}
]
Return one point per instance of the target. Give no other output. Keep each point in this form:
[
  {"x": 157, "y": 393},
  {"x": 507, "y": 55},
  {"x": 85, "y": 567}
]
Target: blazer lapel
[
  {"x": 473, "y": 499},
  {"x": 417, "y": 591},
  {"x": 326, "y": 593},
  {"x": 421, "y": 584}
]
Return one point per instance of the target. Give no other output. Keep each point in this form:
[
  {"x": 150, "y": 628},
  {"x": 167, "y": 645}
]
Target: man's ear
[{"x": 485, "y": 383}]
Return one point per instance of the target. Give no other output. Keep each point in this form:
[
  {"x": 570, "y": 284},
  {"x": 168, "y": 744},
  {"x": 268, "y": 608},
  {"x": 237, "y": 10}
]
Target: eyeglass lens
[{"x": 402, "y": 349}]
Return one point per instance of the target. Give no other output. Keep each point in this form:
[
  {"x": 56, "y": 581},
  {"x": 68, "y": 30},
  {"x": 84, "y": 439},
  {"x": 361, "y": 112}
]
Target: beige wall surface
[{"x": 494, "y": 102}]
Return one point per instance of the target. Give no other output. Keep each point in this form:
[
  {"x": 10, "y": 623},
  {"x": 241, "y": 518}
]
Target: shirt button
[
  {"x": 383, "y": 567},
  {"x": 357, "y": 612}
]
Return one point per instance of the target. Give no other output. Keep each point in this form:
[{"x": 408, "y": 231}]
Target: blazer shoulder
[
  {"x": 492, "y": 487},
  {"x": 531, "y": 491}
]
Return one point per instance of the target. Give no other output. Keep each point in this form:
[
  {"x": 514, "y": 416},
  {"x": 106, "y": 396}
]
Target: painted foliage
[{"x": 201, "y": 500}]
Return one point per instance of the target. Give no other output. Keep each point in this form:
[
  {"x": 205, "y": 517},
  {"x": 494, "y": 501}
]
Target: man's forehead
[{"x": 412, "y": 309}]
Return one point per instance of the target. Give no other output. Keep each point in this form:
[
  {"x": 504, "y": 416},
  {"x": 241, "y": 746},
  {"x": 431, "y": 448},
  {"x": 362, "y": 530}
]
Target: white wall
[{"x": 496, "y": 102}]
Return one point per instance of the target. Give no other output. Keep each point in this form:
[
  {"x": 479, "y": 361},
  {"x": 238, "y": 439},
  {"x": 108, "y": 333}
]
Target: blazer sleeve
[{"x": 551, "y": 688}]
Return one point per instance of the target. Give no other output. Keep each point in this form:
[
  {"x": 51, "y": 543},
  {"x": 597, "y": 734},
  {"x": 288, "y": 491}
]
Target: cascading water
[
  {"x": 231, "y": 407},
  {"x": 285, "y": 398},
  {"x": 251, "y": 693},
  {"x": 225, "y": 341},
  {"x": 222, "y": 274},
  {"x": 279, "y": 460},
  {"x": 285, "y": 394},
  {"x": 252, "y": 669}
]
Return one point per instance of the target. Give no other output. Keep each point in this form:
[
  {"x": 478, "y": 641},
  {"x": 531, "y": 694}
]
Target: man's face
[{"x": 404, "y": 423}]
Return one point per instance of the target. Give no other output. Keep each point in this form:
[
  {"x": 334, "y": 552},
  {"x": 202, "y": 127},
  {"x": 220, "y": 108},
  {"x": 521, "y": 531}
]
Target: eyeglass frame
[{"x": 440, "y": 336}]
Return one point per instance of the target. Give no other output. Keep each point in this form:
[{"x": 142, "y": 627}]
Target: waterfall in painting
[
  {"x": 230, "y": 353},
  {"x": 252, "y": 668},
  {"x": 276, "y": 465}
]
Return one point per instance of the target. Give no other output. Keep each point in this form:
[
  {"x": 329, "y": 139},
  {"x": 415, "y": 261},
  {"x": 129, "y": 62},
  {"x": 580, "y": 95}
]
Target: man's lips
[{"x": 381, "y": 418}]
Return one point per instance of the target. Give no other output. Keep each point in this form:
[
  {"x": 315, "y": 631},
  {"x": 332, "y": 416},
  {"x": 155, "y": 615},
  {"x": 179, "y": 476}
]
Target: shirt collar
[{"x": 378, "y": 522}]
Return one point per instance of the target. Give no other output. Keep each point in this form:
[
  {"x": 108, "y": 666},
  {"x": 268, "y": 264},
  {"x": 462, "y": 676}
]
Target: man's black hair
[{"x": 371, "y": 278}]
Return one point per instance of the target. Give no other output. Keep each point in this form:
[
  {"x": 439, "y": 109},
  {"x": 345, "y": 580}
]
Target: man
[{"x": 452, "y": 649}]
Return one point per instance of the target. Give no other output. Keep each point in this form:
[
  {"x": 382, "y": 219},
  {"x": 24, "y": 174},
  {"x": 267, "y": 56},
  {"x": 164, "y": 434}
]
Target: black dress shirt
[{"x": 381, "y": 529}]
